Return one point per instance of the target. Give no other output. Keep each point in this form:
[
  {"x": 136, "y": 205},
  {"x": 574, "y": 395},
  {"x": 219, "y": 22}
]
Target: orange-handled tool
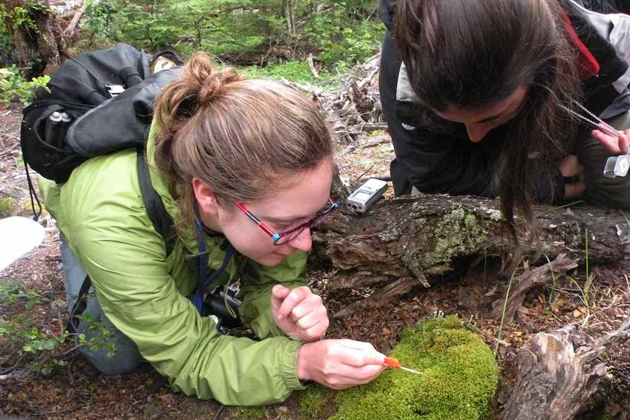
[{"x": 394, "y": 363}]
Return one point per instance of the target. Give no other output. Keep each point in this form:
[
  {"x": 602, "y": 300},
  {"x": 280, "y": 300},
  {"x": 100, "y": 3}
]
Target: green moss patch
[
  {"x": 460, "y": 377},
  {"x": 314, "y": 402}
]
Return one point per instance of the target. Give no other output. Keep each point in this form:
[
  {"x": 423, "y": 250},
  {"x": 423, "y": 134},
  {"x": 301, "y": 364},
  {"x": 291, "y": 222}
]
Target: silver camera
[
  {"x": 617, "y": 166},
  {"x": 366, "y": 195}
]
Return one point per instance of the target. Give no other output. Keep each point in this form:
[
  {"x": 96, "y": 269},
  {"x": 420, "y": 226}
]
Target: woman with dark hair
[
  {"x": 244, "y": 169},
  {"x": 487, "y": 97}
]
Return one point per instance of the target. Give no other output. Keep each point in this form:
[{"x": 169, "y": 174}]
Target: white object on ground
[{"x": 18, "y": 235}]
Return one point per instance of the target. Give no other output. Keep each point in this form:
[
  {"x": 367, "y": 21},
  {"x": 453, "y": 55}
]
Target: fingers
[
  {"x": 624, "y": 140},
  {"x": 360, "y": 358},
  {"x": 279, "y": 292},
  {"x": 314, "y": 324},
  {"x": 347, "y": 377},
  {"x": 339, "y": 364},
  {"x": 298, "y": 303},
  {"x": 350, "y": 366},
  {"x": 616, "y": 145}
]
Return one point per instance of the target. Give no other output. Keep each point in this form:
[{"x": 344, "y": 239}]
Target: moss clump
[
  {"x": 314, "y": 402},
  {"x": 6, "y": 206},
  {"x": 459, "y": 380}
]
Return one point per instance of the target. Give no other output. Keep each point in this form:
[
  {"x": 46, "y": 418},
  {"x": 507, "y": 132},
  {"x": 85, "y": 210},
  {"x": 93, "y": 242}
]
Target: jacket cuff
[{"x": 288, "y": 367}]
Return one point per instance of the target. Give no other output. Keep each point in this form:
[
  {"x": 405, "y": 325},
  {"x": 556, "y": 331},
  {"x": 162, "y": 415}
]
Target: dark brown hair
[
  {"x": 472, "y": 54},
  {"x": 242, "y": 137}
]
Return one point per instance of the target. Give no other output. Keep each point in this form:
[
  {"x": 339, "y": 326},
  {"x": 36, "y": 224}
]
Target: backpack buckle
[{"x": 115, "y": 90}]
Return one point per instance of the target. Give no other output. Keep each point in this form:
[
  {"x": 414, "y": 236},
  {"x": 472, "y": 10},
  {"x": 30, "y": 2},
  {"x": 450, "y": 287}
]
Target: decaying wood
[
  {"x": 69, "y": 31},
  {"x": 392, "y": 290},
  {"x": 356, "y": 108},
  {"x": 527, "y": 281},
  {"x": 558, "y": 377},
  {"x": 421, "y": 237}
]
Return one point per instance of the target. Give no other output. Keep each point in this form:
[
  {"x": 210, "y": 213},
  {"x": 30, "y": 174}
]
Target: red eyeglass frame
[{"x": 278, "y": 236}]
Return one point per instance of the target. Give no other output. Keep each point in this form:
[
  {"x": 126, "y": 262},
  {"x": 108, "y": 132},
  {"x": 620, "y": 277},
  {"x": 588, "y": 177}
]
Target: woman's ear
[{"x": 205, "y": 196}]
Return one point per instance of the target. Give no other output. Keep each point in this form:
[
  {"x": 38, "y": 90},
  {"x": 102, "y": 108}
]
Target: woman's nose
[
  {"x": 476, "y": 132},
  {"x": 303, "y": 241}
]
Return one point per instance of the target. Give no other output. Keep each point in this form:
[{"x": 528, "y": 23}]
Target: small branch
[
  {"x": 311, "y": 65},
  {"x": 75, "y": 21},
  {"x": 527, "y": 281}
]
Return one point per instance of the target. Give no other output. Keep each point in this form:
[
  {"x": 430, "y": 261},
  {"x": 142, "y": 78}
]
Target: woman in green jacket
[{"x": 224, "y": 153}]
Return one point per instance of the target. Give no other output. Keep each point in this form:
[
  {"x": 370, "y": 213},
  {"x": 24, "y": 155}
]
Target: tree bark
[
  {"x": 420, "y": 237},
  {"x": 559, "y": 378}
]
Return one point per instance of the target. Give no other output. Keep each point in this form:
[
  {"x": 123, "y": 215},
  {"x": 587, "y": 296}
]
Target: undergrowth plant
[
  {"x": 26, "y": 342},
  {"x": 13, "y": 86},
  {"x": 504, "y": 310}
]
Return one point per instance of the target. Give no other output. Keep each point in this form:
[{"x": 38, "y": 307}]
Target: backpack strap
[
  {"x": 162, "y": 222},
  {"x": 79, "y": 306}
]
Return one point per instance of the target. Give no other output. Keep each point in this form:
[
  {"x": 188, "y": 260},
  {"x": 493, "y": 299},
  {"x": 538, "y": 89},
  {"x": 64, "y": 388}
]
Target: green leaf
[{"x": 50, "y": 344}]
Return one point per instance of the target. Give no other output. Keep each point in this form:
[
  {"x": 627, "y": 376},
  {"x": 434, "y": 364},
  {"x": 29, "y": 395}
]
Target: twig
[
  {"x": 374, "y": 143},
  {"x": 9, "y": 150},
  {"x": 311, "y": 65},
  {"x": 368, "y": 170}
]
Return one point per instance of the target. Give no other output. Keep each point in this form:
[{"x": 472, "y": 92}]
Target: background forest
[{"x": 300, "y": 40}]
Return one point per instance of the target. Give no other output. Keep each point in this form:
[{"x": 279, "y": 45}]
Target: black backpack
[
  {"x": 97, "y": 103},
  {"x": 106, "y": 98}
]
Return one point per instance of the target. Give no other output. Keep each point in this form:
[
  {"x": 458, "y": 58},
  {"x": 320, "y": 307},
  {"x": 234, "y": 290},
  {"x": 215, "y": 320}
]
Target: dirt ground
[{"x": 76, "y": 390}]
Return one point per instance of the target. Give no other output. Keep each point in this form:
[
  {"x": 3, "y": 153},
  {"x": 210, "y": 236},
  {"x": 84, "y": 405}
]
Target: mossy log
[
  {"x": 561, "y": 375},
  {"x": 420, "y": 237}
]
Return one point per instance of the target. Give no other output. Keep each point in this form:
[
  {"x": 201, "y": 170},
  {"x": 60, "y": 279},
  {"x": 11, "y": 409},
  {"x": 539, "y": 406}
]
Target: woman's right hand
[
  {"x": 616, "y": 145},
  {"x": 339, "y": 364}
]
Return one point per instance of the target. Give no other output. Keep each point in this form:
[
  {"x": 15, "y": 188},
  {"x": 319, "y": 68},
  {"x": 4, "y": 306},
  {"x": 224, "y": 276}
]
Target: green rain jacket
[{"x": 144, "y": 294}]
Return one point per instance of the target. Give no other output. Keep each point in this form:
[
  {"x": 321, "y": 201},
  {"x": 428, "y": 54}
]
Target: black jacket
[{"x": 444, "y": 160}]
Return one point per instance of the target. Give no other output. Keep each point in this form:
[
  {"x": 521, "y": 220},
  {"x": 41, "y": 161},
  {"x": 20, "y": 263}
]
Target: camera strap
[{"x": 205, "y": 283}]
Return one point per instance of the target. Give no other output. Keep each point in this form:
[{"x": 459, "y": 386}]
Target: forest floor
[{"x": 76, "y": 390}]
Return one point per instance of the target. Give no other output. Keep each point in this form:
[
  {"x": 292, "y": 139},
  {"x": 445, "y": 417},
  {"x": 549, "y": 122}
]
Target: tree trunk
[
  {"x": 39, "y": 41},
  {"x": 288, "y": 11},
  {"x": 560, "y": 379},
  {"x": 420, "y": 237}
]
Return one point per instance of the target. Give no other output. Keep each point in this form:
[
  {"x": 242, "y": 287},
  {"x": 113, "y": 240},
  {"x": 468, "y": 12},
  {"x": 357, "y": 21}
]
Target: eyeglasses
[{"x": 288, "y": 236}]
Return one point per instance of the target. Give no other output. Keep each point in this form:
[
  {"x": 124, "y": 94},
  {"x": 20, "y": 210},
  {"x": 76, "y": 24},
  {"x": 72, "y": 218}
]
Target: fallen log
[
  {"x": 559, "y": 379},
  {"x": 420, "y": 237}
]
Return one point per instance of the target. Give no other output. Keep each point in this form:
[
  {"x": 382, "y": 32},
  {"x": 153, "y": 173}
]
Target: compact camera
[
  {"x": 367, "y": 194},
  {"x": 617, "y": 166}
]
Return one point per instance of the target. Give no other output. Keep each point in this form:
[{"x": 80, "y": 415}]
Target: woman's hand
[
  {"x": 339, "y": 364},
  {"x": 299, "y": 313},
  {"x": 570, "y": 166},
  {"x": 616, "y": 145}
]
